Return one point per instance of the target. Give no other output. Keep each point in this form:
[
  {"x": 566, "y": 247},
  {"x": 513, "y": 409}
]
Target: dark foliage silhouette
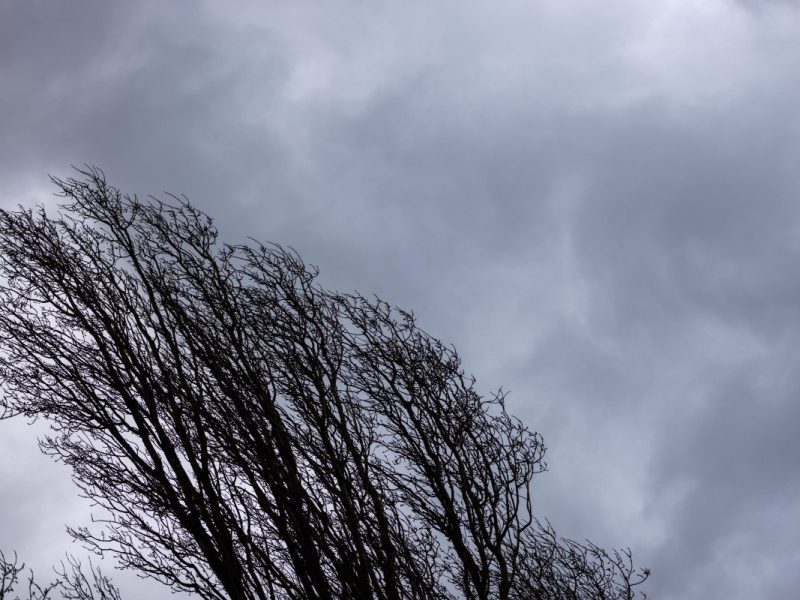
[{"x": 250, "y": 435}]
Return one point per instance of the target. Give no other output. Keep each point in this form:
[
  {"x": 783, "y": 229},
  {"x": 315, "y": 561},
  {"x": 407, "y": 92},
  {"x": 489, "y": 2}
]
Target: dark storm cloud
[
  {"x": 689, "y": 241},
  {"x": 737, "y": 461},
  {"x": 596, "y": 204}
]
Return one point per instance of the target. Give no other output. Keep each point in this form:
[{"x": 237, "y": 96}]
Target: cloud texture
[{"x": 597, "y": 203}]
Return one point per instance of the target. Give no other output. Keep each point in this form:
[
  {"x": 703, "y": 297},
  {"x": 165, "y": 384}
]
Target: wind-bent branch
[{"x": 253, "y": 436}]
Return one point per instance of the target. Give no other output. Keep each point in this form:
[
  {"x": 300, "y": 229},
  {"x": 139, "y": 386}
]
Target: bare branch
[{"x": 250, "y": 435}]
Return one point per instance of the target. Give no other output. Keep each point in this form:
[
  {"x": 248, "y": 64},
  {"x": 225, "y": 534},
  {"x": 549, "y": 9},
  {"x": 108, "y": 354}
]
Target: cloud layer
[{"x": 597, "y": 204}]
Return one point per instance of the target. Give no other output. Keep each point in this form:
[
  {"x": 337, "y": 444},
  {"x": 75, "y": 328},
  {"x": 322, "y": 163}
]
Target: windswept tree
[
  {"x": 249, "y": 435},
  {"x": 72, "y": 582}
]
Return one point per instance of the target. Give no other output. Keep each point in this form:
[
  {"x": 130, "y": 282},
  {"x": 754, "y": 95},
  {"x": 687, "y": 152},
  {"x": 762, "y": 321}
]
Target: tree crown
[{"x": 251, "y": 435}]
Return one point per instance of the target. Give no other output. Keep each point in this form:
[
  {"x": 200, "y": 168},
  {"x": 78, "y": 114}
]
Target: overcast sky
[{"x": 597, "y": 203}]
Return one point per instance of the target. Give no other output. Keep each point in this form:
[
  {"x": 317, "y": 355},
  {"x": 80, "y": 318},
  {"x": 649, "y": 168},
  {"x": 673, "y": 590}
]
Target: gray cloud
[{"x": 596, "y": 204}]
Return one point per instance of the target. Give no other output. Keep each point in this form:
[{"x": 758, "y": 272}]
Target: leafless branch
[{"x": 250, "y": 435}]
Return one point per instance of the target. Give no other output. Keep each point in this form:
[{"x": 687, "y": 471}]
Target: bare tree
[
  {"x": 10, "y": 569},
  {"x": 72, "y": 582},
  {"x": 250, "y": 435}
]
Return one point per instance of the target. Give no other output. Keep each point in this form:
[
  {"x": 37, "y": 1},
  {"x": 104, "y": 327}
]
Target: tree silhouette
[
  {"x": 72, "y": 582},
  {"x": 249, "y": 435}
]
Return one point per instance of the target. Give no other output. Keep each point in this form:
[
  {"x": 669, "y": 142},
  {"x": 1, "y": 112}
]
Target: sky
[{"x": 597, "y": 203}]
